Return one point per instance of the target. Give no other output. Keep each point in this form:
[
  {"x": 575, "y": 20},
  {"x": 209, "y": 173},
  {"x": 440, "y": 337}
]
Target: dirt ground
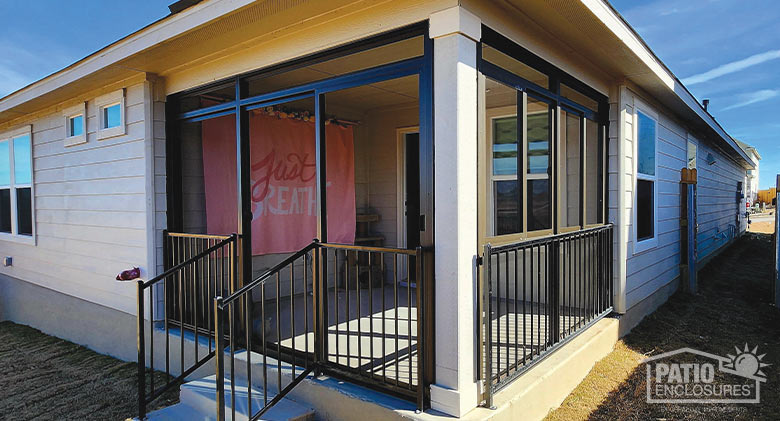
[
  {"x": 762, "y": 223},
  {"x": 762, "y": 227},
  {"x": 732, "y": 308},
  {"x": 44, "y": 378}
]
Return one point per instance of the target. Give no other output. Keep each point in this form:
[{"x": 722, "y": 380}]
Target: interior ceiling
[
  {"x": 383, "y": 95},
  {"x": 385, "y": 54}
]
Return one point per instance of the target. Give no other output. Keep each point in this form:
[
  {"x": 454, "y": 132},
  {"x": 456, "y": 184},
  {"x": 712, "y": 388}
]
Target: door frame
[{"x": 400, "y": 188}]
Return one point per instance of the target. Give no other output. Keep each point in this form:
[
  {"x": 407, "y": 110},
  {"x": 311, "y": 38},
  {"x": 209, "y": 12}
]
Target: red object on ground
[{"x": 129, "y": 275}]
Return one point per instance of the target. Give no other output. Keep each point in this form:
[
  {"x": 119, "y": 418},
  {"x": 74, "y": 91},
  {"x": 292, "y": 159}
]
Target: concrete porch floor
[{"x": 365, "y": 333}]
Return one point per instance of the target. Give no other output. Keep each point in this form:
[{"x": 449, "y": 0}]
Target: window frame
[
  {"x": 104, "y": 102},
  {"x": 562, "y": 178},
  {"x": 502, "y": 113},
  {"x": 14, "y": 235},
  {"x": 641, "y": 246},
  {"x": 69, "y": 114},
  {"x": 552, "y": 95}
]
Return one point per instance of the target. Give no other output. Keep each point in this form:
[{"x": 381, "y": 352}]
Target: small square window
[
  {"x": 76, "y": 126},
  {"x": 111, "y": 116}
]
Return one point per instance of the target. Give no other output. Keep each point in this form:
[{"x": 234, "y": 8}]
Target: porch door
[{"x": 412, "y": 196}]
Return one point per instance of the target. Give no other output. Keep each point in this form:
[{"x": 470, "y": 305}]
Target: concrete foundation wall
[{"x": 97, "y": 327}]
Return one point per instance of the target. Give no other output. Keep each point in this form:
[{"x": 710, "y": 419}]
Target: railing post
[
  {"x": 553, "y": 285},
  {"x": 219, "y": 340},
  {"x": 141, "y": 351},
  {"x": 319, "y": 352},
  {"x": 421, "y": 326},
  {"x": 488, "y": 309}
]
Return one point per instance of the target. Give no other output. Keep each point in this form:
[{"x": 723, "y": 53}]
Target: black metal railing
[
  {"x": 281, "y": 301},
  {"x": 375, "y": 314},
  {"x": 538, "y": 294},
  {"x": 198, "y": 268},
  {"x": 329, "y": 308}
]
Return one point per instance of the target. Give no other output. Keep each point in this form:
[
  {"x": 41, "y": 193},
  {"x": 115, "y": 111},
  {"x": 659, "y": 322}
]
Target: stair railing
[
  {"x": 200, "y": 267},
  {"x": 278, "y": 290}
]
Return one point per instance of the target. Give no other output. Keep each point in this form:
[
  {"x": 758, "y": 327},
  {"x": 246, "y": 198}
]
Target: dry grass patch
[
  {"x": 731, "y": 308},
  {"x": 606, "y": 376},
  {"x": 43, "y": 377}
]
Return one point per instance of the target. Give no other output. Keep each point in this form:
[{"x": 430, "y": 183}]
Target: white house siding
[
  {"x": 651, "y": 270},
  {"x": 90, "y": 209},
  {"x": 717, "y": 204}
]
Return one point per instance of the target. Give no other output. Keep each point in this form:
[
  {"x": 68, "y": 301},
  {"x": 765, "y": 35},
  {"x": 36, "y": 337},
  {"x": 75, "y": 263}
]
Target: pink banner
[{"x": 283, "y": 175}]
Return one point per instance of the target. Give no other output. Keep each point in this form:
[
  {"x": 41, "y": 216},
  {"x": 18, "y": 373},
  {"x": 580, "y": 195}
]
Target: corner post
[{"x": 456, "y": 33}]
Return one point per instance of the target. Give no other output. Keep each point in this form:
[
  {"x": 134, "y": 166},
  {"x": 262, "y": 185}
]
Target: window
[
  {"x": 16, "y": 184},
  {"x": 691, "y": 155},
  {"x": 538, "y": 139},
  {"x": 541, "y": 153},
  {"x": 502, "y": 115},
  {"x": 111, "y": 115},
  {"x": 594, "y": 174},
  {"x": 645, "y": 190},
  {"x": 75, "y": 125},
  {"x": 569, "y": 169}
]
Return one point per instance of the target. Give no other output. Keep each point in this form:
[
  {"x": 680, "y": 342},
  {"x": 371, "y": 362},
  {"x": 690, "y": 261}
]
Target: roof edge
[{"x": 669, "y": 79}]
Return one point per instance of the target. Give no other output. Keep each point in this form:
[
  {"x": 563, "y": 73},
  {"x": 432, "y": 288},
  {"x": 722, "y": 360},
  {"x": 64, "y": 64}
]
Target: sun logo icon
[{"x": 746, "y": 363}]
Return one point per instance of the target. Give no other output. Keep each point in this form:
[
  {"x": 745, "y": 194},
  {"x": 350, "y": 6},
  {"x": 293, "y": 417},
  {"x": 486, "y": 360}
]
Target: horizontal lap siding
[
  {"x": 90, "y": 210},
  {"x": 717, "y": 203},
  {"x": 648, "y": 271}
]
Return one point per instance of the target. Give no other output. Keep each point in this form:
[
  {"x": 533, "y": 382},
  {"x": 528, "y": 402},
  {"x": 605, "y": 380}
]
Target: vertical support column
[
  {"x": 455, "y": 33},
  {"x": 243, "y": 183},
  {"x": 243, "y": 250},
  {"x": 623, "y": 130},
  {"x": 322, "y": 209}
]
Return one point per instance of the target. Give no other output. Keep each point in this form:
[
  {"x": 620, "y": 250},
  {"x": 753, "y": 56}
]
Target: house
[
  {"x": 751, "y": 183},
  {"x": 366, "y": 208}
]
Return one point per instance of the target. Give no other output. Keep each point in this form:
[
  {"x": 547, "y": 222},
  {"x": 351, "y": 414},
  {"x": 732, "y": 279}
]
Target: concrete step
[
  {"x": 201, "y": 395},
  {"x": 176, "y": 413}
]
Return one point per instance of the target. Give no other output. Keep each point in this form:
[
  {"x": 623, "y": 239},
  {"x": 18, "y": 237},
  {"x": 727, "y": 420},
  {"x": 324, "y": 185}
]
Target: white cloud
[
  {"x": 734, "y": 66},
  {"x": 11, "y": 80},
  {"x": 24, "y": 63},
  {"x": 754, "y": 97}
]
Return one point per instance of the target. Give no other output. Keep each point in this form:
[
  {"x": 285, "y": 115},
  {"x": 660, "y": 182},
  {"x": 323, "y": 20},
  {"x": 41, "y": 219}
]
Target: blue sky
[
  {"x": 724, "y": 50},
  {"x": 727, "y": 51},
  {"x": 39, "y": 37}
]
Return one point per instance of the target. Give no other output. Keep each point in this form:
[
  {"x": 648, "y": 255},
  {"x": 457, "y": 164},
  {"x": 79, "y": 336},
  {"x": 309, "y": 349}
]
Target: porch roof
[
  {"x": 592, "y": 27},
  {"x": 596, "y": 34}
]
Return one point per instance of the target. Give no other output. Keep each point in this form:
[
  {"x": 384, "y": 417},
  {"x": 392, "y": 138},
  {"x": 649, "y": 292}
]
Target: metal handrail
[
  {"x": 319, "y": 359},
  {"x": 268, "y": 273},
  {"x": 192, "y": 259},
  {"x": 190, "y": 270},
  {"x": 536, "y": 296}
]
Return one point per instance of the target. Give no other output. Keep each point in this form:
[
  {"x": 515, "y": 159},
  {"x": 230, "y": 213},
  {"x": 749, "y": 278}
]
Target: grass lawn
[
  {"x": 732, "y": 308},
  {"x": 43, "y": 377}
]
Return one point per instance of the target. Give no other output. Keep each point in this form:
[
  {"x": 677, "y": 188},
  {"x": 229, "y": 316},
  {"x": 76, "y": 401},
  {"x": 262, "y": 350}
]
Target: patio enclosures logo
[{"x": 691, "y": 376}]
